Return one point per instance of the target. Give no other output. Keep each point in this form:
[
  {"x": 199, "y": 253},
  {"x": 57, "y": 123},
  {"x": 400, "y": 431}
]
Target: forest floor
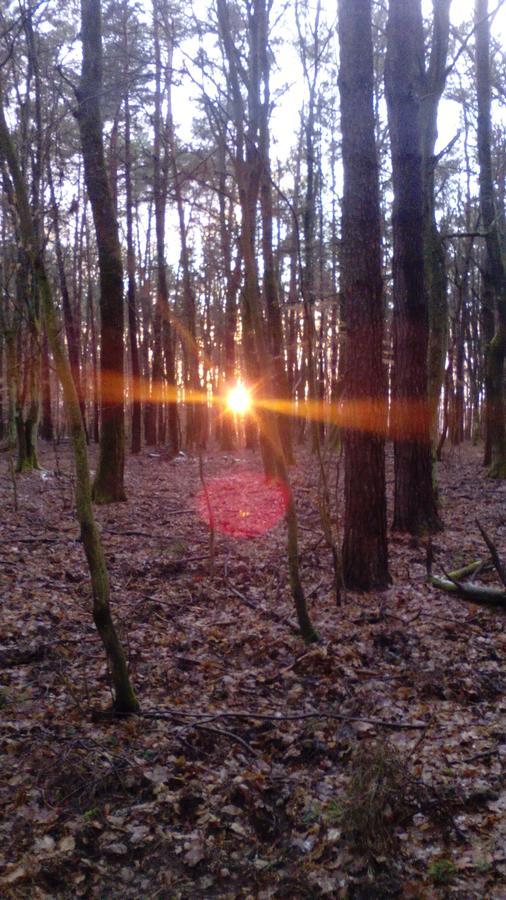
[{"x": 369, "y": 765}]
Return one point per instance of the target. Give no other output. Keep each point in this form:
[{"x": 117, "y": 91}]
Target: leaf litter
[{"x": 370, "y": 765}]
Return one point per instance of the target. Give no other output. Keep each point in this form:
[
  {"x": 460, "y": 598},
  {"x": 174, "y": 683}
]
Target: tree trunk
[
  {"x": 232, "y": 281},
  {"x": 131, "y": 292},
  {"x": 247, "y": 165},
  {"x": 124, "y": 700},
  {"x": 415, "y": 506},
  {"x": 495, "y": 269},
  {"x": 365, "y": 555},
  {"x": 46, "y": 423},
  {"x": 434, "y": 80},
  {"x": 71, "y": 326},
  {"x": 270, "y": 280},
  {"x": 27, "y": 379},
  {"x": 162, "y": 323},
  {"x": 109, "y": 481}
]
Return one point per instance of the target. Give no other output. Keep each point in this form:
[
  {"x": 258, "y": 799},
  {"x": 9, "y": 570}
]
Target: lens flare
[
  {"x": 239, "y": 400},
  {"x": 243, "y": 505}
]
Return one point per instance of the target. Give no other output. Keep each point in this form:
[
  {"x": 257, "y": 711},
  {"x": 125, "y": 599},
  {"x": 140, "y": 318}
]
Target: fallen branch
[
  {"x": 472, "y": 593},
  {"x": 39, "y": 540},
  {"x": 470, "y": 569},
  {"x": 226, "y": 733},
  {"x": 469, "y": 590},
  {"x": 279, "y": 717}
]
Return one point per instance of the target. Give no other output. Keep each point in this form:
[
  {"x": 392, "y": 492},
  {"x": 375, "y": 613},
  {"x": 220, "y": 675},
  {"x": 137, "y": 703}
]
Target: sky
[
  {"x": 461, "y": 11},
  {"x": 287, "y": 69},
  {"x": 285, "y": 120}
]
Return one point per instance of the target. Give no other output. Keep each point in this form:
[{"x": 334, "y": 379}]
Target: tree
[
  {"x": 494, "y": 275},
  {"x": 109, "y": 481},
  {"x": 415, "y": 505},
  {"x": 433, "y": 82},
  {"x": 365, "y": 555},
  {"x": 247, "y": 162},
  {"x": 163, "y": 338},
  {"x": 313, "y": 42},
  {"x": 130, "y": 256},
  {"x": 125, "y": 700}
]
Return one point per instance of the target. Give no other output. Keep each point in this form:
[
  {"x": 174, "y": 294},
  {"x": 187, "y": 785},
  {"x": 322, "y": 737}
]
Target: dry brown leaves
[{"x": 195, "y": 800}]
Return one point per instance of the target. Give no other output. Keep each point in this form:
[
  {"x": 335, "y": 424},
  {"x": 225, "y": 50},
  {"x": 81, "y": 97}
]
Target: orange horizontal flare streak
[{"x": 403, "y": 419}]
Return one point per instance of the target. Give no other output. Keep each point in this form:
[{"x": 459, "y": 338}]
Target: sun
[{"x": 239, "y": 400}]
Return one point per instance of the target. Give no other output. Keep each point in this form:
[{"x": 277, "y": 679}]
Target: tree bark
[
  {"x": 109, "y": 481},
  {"x": 136, "y": 440},
  {"x": 494, "y": 274},
  {"x": 434, "y": 80},
  {"x": 232, "y": 281},
  {"x": 46, "y": 422},
  {"x": 365, "y": 554},
  {"x": 415, "y": 505},
  {"x": 162, "y": 323}
]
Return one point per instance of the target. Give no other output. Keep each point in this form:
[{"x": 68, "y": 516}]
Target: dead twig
[
  {"x": 280, "y": 717},
  {"x": 224, "y": 732}
]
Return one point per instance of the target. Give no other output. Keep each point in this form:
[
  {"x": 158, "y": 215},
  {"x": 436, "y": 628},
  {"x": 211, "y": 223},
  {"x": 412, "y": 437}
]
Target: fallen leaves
[{"x": 238, "y": 788}]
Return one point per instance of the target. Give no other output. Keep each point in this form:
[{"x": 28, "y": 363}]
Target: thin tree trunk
[
  {"x": 494, "y": 274},
  {"x": 124, "y": 700},
  {"x": 232, "y": 281},
  {"x": 162, "y": 324},
  {"x": 71, "y": 325},
  {"x": 434, "y": 80},
  {"x": 248, "y": 172},
  {"x": 46, "y": 423},
  {"x": 131, "y": 291}
]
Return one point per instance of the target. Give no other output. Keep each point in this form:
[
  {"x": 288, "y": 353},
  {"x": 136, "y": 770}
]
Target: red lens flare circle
[{"x": 243, "y": 505}]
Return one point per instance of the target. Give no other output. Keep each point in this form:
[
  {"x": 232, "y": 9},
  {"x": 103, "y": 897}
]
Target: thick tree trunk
[
  {"x": 365, "y": 555},
  {"x": 109, "y": 481},
  {"x": 415, "y": 506}
]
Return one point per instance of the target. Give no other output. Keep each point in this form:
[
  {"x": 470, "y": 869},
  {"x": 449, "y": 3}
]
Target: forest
[{"x": 252, "y": 449}]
